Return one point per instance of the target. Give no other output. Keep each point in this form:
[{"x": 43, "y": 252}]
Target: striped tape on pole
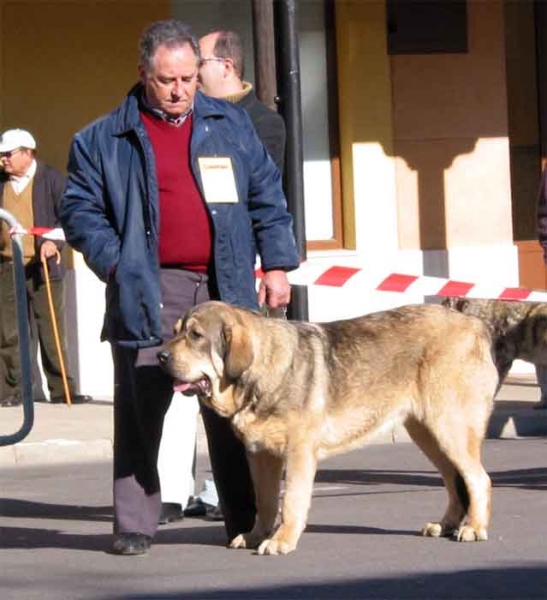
[
  {"x": 438, "y": 286},
  {"x": 49, "y": 233},
  {"x": 309, "y": 274},
  {"x": 338, "y": 276}
]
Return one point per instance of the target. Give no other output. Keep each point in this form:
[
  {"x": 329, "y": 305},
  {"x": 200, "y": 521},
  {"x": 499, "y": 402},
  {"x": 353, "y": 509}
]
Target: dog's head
[
  {"x": 460, "y": 304},
  {"x": 212, "y": 349},
  {"x": 501, "y": 316},
  {"x": 508, "y": 322}
]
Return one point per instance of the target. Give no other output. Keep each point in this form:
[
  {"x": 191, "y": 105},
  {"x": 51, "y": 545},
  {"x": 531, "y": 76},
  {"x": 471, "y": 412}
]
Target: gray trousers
[{"x": 142, "y": 395}]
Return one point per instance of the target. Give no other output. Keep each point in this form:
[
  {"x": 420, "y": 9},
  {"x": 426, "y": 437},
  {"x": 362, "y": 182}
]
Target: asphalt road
[{"x": 361, "y": 540}]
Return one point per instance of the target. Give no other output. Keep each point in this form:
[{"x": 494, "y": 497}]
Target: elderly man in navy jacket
[{"x": 169, "y": 198}]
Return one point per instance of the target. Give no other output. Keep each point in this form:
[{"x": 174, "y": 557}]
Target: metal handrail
[{"x": 24, "y": 337}]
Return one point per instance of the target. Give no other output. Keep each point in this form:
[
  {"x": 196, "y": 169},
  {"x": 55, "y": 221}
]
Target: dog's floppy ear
[
  {"x": 462, "y": 304},
  {"x": 178, "y": 326},
  {"x": 449, "y": 302},
  {"x": 238, "y": 354}
]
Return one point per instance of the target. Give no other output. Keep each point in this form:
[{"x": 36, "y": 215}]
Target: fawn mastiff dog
[{"x": 298, "y": 392}]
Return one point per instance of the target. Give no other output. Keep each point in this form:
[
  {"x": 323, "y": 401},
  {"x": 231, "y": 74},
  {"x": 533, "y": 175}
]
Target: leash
[
  {"x": 275, "y": 313},
  {"x": 55, "y": 329}
]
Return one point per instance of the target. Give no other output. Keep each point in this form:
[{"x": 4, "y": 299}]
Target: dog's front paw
[
  {"x": 432, "y": 530},
  {"x": 466, "y": 533},
  {"x": 274, "y": 547},
  {"x": 283, "y": 541},
  {"x": 438, "y": 530},
  {"x": 238, "y": 542},
  {"x": 247, "y": 540}
]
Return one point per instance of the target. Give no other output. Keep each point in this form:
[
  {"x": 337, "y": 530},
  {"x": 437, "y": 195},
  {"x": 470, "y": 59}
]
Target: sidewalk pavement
[{"x": 83, "y": 433}]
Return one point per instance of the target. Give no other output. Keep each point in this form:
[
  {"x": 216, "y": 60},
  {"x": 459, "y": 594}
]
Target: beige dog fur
[{"x": 299, "y": 392}]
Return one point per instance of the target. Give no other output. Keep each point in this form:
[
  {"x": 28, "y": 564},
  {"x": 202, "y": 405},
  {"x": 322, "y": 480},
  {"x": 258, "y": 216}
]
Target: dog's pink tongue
[{"x": 183, "y": 386}]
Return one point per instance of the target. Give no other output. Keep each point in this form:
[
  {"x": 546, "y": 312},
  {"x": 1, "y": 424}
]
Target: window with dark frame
[
  {"x": 426, "y": 26},
  {"x": 336, "y": 241}
]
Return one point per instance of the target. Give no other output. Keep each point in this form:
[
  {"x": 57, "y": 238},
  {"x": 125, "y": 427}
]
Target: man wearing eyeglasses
[
  {"x": 30, "y": 190},
  {"x": 221, "y": 75}
]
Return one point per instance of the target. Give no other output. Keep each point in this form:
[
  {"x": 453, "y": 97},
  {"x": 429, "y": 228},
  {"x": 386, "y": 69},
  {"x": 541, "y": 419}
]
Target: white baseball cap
[{"x": 16, "y": 138}]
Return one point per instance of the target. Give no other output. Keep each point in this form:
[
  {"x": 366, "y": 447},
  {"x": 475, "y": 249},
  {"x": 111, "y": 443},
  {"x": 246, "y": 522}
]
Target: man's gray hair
[{"x": 171, "y": 33}]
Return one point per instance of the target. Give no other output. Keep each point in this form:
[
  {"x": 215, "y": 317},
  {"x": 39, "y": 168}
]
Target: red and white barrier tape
[
  {"x": 47, "y": 233},
  {"x": 338, "y": 276},
  {"x": 437, "y": 286}
]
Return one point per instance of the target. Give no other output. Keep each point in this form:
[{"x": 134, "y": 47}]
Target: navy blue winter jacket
[{"x": 110, "y": 212}]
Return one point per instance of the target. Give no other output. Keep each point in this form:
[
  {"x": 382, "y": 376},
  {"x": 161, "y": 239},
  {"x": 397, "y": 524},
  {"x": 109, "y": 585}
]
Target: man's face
[
  {"x": 17, "y": 162},
  {"x": 171, "y": 82},
  {"x": 211, "y": 70}
]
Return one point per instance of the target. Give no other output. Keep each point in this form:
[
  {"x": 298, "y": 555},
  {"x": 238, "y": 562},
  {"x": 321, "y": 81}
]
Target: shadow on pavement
[
  {"x": 503, "y": 583},
  {"x": 32, "y": 537},
  {"x": 13, "y": 507},
  {"x": 534, "y": 478}
]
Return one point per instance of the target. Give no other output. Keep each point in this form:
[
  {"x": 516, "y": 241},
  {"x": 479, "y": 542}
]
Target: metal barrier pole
[{"x": 24, "y": 338}]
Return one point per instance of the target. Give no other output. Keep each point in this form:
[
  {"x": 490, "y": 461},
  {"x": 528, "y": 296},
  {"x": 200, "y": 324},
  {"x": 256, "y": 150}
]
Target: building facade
[{"x": 422, "y": 133}]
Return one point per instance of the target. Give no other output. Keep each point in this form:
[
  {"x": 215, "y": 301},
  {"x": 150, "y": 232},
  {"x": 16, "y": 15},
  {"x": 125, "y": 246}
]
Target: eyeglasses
[
  {"x": 10, "y": 153},
  {"x": 214, "y": 59}
]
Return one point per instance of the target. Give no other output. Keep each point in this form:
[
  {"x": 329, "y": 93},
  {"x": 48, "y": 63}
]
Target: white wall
[{"x": 90, "y": 360}]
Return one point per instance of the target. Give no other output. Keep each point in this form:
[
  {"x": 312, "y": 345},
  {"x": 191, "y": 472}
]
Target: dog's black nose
[{"x": 163, "y": 356}]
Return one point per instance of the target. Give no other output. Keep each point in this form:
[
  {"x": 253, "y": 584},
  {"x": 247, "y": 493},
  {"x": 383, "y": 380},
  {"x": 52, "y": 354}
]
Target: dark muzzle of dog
[{"x": 201, "y": 387}]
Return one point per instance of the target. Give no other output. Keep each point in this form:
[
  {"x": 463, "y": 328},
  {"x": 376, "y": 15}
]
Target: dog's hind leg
[
  {"x": 455, "y": 448},
  {"x": 266, "y": 471},
  {"x": 479, "y": 490},
  {"x": 457, "y": 501}
]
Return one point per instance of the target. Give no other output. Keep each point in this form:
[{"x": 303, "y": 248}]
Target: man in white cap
[{"x": 30, "y": 190}]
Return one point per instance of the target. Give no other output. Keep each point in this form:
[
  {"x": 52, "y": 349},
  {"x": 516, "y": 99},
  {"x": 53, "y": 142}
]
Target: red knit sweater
[{"x": 185, "y": 230}]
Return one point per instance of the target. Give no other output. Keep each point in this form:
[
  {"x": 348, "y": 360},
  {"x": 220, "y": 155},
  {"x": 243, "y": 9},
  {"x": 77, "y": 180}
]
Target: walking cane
[{"x": 55, "y": 330}]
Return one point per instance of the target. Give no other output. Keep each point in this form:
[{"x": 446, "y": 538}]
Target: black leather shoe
[
  {"x": 195, "y": 508},
  {"x": 131, "y": 544},
  {"x": 76, "y": 399},
  {"x": 11, "y": 401},
  {"x": 171, "y": 512},
  {"x": 215, "y": 514}
]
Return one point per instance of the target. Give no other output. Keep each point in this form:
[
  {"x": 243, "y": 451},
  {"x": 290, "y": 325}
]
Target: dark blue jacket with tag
[{"x": 110, "y": 212}]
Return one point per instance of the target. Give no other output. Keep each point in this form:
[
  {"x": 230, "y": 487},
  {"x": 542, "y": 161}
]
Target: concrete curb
[
  {"x": 510, "y": 420},
  {"x": 55, "y": 452},
  {"x": 63, "y": 435},
  {"x": 516, "y": 420}
]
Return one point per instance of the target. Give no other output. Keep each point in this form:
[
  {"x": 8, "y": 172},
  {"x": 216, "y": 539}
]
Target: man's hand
[
  {"x": 274, "y": 289},
  {"x": 49, "y": 249}
]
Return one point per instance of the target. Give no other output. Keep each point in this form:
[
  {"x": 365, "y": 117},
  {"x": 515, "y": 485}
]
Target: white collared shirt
[
  {"x": 20, "y": 183},
  {"x": 161, "y": 114}
]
